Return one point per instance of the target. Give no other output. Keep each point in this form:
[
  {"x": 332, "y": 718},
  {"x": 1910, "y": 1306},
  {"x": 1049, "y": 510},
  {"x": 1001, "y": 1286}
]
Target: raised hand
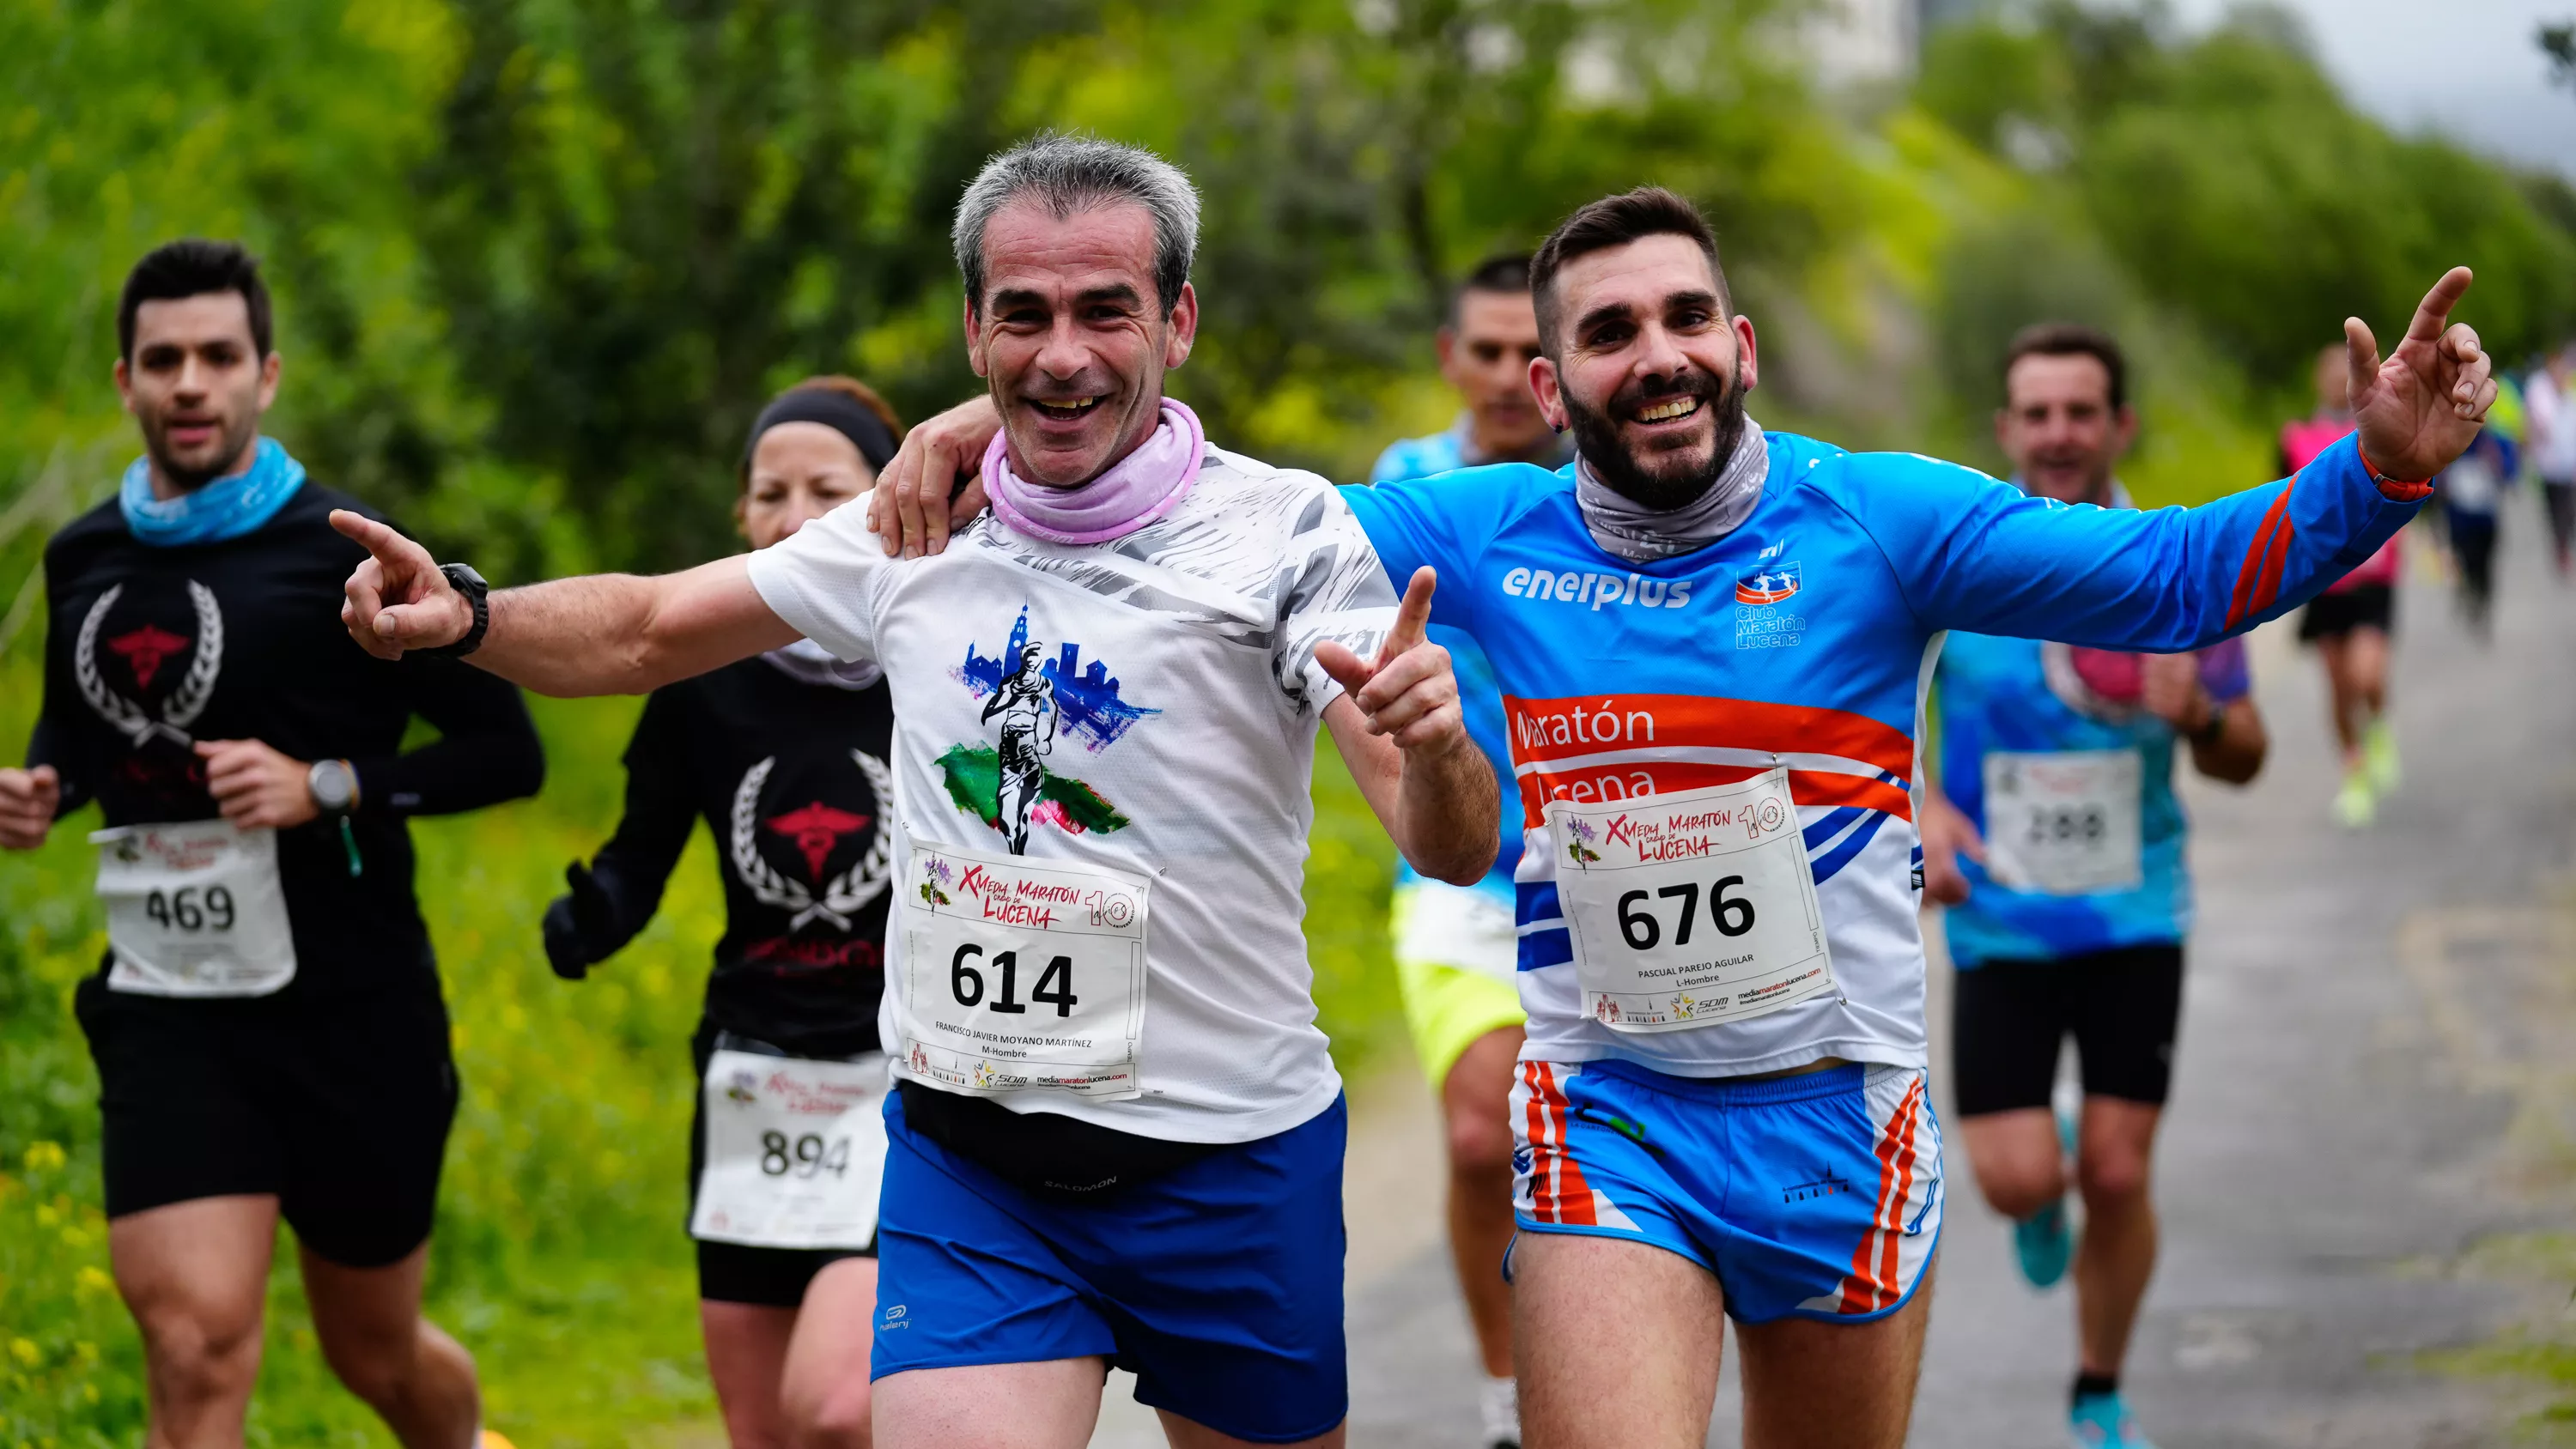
[
  {"x": 28, "y": 800},
  {"x": 1410, "y": 691},
  {"x": 2423, "y": 405},
  {"x": 397, "y": 598},
  {"x": 910, "y": 510}
]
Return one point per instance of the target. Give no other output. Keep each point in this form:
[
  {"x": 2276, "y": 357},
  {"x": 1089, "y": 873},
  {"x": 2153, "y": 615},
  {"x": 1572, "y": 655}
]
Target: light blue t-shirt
[{"x": 2025, "y": 697}]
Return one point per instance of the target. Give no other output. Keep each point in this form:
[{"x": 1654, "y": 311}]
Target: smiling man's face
[
  {"x": 197, "y": 384},
  {"x": 1650, "y": 371},
  {"x": 1071, "y": 339}
]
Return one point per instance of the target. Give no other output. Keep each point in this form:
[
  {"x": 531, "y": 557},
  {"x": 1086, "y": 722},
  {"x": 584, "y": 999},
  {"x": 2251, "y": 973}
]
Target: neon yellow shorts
[{"x": 1456, "y": 957}]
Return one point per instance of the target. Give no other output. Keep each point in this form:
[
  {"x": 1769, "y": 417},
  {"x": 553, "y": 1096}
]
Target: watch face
[{"x": 330, "y": 785}]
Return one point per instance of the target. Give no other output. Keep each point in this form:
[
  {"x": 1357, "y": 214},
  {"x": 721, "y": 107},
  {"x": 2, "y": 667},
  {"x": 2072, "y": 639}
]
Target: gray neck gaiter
[{"x": 1643, "y": 535}]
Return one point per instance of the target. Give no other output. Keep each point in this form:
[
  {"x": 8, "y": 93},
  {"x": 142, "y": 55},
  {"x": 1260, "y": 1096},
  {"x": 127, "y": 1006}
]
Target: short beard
[
  {"x": 237, "y": 440},
  {"x": 1596, "y": 437}
]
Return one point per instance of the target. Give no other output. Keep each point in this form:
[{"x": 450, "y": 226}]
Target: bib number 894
[
  {"x": 184, "y": 910},
  {"x": 807, "y": 1156},
  {"x": 1054, "y": 984},
  {"x": 1731, "y": 915}
]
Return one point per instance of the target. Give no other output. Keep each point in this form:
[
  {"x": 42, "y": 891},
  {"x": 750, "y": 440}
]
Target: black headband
[{"x": 832, "y": 408}]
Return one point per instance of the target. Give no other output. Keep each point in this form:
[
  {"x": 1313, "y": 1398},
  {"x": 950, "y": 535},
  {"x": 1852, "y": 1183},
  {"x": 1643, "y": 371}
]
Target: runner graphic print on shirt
[{"x": 1031, "y": 698}]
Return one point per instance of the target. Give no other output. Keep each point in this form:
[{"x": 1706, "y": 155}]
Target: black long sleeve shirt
[
  {"x": 792, "y": 779},
  {"x": 151, "y": 649}
]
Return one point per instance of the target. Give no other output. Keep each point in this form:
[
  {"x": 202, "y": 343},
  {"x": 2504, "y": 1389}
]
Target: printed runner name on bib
[
  {"x": 194, "y": 909},
  {"x": 2065, "y": 822},
  {"x": 795, "y": 1151},
  {"x": 1690, "y": 908},
  {"x": 1021, "y": 975}
]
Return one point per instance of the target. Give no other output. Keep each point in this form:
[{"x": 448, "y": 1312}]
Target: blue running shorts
[
  {"x": 1219, "y": 1284},
  {"x": 1816, "y": 1195}
]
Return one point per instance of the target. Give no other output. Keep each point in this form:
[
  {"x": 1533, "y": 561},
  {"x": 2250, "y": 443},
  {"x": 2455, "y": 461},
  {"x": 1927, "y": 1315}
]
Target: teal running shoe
[
  {"x": 2043, "y": 1243},
  {"x": 2103, "y": 1421}
]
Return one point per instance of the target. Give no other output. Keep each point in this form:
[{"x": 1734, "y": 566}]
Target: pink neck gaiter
[{"x": 1136, "y": 490}]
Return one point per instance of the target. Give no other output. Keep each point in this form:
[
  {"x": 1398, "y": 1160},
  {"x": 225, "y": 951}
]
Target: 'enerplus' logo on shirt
[{"x": 1583, "y": 587}]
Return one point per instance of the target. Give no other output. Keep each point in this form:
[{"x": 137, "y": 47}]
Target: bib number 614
[
  {"x": 1054, "y": 985},
  {"x": 1731, "y": 915}
]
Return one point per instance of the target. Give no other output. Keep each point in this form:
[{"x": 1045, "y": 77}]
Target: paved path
[{"x": 2374, "y": 1075}]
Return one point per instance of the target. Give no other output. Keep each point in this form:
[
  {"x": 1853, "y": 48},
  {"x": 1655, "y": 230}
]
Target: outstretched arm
[
  {"x": 1975, "y": 554},
  {"x": 604, "y": 634},
  {"x": 1400, "y": 729}
]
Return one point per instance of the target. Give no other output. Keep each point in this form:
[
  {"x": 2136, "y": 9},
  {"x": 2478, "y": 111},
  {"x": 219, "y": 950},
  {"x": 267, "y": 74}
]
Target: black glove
[{"x": 577, "y": 923}]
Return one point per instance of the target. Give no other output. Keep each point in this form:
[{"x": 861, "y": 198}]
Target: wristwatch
[
  {"x": 2214, "y": 728},
  {"x": 463, "y": 579},
  {"x": 333, "y": 785}
]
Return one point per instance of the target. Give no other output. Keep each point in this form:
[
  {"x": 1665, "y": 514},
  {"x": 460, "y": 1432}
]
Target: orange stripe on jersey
[
  {"x": 1558, "y": 729},
  {"x": 1594, "y": 783},
  {"x": 2262, "y": 556},
  {"x": 1599, "y": 731},
  {"x": 1865, "y": 1291}
]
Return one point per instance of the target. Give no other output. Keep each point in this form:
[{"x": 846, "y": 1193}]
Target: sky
[{"x": 2467, "y": 68}]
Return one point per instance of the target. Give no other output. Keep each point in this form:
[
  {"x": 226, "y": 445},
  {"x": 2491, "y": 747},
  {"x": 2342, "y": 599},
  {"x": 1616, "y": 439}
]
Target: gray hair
[{"x": 1080, "y": 173}]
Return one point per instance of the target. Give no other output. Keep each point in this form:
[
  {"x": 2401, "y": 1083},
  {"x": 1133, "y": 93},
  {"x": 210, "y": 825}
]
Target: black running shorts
[
  {"x": 2007, "y": 1019},
  {"x": 339, "y": 1109},
  {"x": 2364, "y": 606},
  {"x": 738, "y": 1272}
]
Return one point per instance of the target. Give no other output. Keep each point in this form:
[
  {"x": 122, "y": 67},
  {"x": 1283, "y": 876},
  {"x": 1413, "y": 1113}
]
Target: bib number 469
[
  {"x": 1731, "y": 915},
  {"x": 185, "y": 910},
  {"x": 1054, "y": 986}
]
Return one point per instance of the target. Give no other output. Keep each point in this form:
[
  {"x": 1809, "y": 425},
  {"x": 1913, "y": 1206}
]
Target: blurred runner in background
[
  {"x": 2549, "y": 410},
  {"x": 267, "y": 1023},
  {"x": 784, "y": 756},
  {"x": 2471, "y": 492},
  {"x": 2052, "y": 832},
  {"x": 1456, "y": 951},
  {"x": 2352, "y": 622}
]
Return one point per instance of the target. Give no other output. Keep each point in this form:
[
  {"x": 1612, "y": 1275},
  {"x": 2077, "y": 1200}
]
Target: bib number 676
[{"x": 1731, "y": 915}]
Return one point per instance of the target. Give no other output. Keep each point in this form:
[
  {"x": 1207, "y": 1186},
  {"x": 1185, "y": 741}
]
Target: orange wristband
[{"x": 2396, "y": 490}]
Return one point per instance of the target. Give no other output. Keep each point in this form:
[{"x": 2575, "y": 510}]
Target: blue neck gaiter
[{"x": 222, "y": 509}]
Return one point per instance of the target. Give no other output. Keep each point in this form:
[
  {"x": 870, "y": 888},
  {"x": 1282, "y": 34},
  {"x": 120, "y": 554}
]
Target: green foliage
[{"x": 2231, "y": 182}]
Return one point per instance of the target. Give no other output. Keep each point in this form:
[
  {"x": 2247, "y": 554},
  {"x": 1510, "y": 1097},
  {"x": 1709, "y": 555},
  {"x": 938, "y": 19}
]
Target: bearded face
[{"x": 1662, "y": 469}]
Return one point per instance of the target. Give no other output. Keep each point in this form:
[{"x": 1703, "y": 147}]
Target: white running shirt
[{"x": 1180, "y": 666}]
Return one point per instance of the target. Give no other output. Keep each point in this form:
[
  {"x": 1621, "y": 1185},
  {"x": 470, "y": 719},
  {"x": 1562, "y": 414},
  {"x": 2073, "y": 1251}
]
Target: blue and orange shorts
[{"x": 1814, "y": 1196}]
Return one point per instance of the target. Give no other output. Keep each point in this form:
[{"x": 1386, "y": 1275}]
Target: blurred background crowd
[{"x": 539, "y": 262}]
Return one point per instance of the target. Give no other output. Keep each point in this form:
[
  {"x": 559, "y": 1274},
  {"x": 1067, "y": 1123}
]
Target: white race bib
[
  {"x": 1020, "y": 975},
  {"x": 1690, "y": 908},
  {"x": 795, "y": 1151},
  {"x": 194, "y": 909},
  {"x": 2064, "y": 823}
]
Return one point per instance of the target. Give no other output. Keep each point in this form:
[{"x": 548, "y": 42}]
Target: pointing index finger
[
  {"x": 1413, "y": 616},
  {"x": 2434, "y": 312}
]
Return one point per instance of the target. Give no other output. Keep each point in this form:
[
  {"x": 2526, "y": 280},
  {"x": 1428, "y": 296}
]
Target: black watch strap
[
  {"x": 463, "y": 579},
  {"x": 2211, "y": 732}
]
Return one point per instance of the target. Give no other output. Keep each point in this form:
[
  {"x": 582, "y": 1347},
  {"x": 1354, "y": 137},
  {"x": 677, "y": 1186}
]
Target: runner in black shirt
[
  {"x": 784, "y": 757},
  {"x": 267, "y": 1025}
]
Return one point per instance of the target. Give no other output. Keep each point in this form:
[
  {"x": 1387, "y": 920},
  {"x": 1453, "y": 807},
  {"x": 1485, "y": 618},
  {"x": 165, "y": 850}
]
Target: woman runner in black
[{"x": 784, "y": 756}]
